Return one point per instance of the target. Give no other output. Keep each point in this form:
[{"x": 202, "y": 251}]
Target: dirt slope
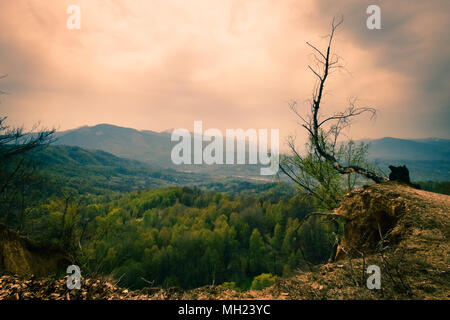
[
  {"x": 21, "y": 256},
  {"x": 402, "y": 230}
]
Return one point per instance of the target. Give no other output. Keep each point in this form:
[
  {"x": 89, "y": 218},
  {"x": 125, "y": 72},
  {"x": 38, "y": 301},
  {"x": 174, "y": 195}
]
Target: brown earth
[
  {"x": 402, "y": 230},
  {"x": 23, "y": 257}
]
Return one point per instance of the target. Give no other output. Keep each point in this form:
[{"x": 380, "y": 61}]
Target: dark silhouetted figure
[{"x": 401, "y": 174}]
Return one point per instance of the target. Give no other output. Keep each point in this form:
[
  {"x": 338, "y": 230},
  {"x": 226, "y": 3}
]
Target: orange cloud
[{"x": 163, "y": 64}]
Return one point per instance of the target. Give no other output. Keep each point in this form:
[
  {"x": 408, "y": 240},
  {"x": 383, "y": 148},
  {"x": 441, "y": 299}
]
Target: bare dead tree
[{"x": 324, "y": 131}]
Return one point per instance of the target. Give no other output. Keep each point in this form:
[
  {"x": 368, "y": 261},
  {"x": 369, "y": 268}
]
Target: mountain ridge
[{"x": 428, "y": 158}]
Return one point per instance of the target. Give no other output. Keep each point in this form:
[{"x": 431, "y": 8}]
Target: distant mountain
[
  {"x": 428, "y": 159},
  {"x": 147, "y": 146},
  {"x": 430, "y": 149}
]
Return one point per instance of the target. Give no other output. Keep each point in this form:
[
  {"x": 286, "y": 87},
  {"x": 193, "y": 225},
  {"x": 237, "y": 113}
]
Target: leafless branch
[{"x": 342, "y": 119}]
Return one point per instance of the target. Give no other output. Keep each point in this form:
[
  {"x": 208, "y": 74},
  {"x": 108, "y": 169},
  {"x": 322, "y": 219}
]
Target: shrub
[
  {"x": 262, "y": 281},
  {"x": 229, "y": 285}
]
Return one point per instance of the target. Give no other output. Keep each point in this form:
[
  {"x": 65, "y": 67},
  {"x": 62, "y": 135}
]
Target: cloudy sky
[{"x": 160, "y": 64}]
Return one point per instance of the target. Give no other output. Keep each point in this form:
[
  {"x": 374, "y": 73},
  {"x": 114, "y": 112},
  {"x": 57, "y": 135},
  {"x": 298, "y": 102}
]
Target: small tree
[
  {"x": 320, "y": 171},
  {"x": 257, "y": 252},
  {"x": 16, "y": 170}
]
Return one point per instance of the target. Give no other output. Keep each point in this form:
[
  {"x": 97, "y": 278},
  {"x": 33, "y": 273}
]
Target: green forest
[
  {"x": 165, "y": 236},
  {"x": 185, "y": 237},
  {"x": 121, "y": 218}
]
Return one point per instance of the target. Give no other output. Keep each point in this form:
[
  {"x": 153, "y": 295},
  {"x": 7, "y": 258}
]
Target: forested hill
[
  {"x": 146, "y": 146},
  {"x": 100, "y": 172},
  {"x": 427, "y": 159},
  {"x": 96, "y": 171}
]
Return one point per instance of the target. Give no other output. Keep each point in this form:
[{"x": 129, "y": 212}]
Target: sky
[{"x": 161, "y": 64}]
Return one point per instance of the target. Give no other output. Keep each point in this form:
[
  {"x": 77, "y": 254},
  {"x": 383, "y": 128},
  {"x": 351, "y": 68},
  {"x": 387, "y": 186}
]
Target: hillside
[
  {"x": 21, "y": 256},
  {"x": 147, "y": 146},
  {"x": 96, "y": 171},
  {"x": 428, "y": 159},
  {"x": 412, "y": 251},
  {"x": 100, "y": 172},
  {"x": 402, "y": 230}
]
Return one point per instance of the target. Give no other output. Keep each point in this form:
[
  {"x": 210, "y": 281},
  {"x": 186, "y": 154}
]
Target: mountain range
[
  {"x": 427, "y": 159},
  {"x": 430, "y": 149}
]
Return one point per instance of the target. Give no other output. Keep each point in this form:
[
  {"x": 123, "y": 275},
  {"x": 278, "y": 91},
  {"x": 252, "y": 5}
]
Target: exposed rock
[{"x": 21, "y": 256}]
